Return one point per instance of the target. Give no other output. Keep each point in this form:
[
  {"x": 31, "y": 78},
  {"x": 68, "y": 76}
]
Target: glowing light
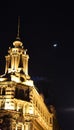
[
  {"x": 55, "y": 45},
  {"x": 30, "y": 110},
  {"x": 9, "y": 106},
  {"x": 3, "y": 79}
]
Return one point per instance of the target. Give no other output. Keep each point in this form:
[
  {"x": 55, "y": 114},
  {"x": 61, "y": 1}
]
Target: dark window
[
  {"x": 26, "y": 95},
  {"x": 22, "y": 94},
  {"x": 19, "y": 93},
  {"x": 3, "y": 91},
  {"x": 16, "y": 93}
]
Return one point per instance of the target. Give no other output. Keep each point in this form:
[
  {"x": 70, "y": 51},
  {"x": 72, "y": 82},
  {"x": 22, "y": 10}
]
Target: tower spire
[
  {"x": 17, "y": 42},
  {"x": 18, "y": 29}
]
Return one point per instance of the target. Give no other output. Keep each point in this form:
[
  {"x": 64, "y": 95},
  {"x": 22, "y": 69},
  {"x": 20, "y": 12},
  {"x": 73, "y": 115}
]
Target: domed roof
[{"x": 17, "y": 43}]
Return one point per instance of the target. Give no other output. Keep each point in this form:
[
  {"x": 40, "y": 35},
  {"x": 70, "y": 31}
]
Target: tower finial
[
  {"x": 17, "y": 42},
  {"x": 18, "y": 29}
]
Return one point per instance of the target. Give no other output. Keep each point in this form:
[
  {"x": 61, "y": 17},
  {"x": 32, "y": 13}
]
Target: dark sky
[{"x": 42, "y": 25}]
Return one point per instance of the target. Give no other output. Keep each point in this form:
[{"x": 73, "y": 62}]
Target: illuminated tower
[{"x": 21, "y": 106}]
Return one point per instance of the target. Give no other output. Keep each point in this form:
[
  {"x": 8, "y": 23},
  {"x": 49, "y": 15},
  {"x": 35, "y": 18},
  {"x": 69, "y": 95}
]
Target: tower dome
[{"x": 17, "y": 43}]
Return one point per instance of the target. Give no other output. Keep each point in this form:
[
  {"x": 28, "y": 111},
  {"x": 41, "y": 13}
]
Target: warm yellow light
[
  {"x": 9, "y": 106},
  {"x": 3, "y": 79},
  {"x": 30, "y": 83},
  {"x": 31, "y": 110},
  {"x": 17, "y": 43}
]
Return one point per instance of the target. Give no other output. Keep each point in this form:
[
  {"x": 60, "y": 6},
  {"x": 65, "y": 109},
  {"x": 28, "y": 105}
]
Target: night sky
[{"x": 52, "y": 68}]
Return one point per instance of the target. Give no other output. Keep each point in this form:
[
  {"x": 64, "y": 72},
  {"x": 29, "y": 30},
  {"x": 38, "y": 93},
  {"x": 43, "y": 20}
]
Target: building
[{"x": 21, "y": 106}]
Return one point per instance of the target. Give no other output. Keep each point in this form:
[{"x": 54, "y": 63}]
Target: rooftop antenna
[{"x": 18, "y": 29}]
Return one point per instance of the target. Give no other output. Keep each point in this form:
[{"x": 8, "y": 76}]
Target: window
[
  {"x": 3, "y": 91},
  {"x": 22, "y": 94},
  {"x": 2, "y": 104},
  {"x": 16, "y": 93}
]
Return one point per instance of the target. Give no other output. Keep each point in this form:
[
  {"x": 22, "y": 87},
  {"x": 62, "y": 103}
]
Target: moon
[{"x": 55, "y": 45}]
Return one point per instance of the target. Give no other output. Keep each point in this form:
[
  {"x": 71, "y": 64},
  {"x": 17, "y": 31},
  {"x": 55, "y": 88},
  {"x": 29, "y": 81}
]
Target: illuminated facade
[{"x": 21, "y": 106}]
